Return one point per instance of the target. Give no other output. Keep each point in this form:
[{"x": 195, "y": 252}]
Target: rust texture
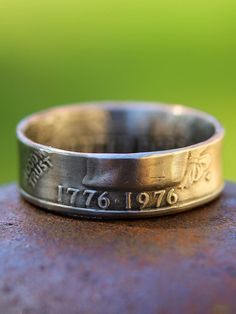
[{"x": 175, "y": 264}]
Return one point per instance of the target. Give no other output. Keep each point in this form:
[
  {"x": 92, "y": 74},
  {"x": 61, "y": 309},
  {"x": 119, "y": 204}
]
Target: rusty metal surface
[{"x": 177, "y": 264}]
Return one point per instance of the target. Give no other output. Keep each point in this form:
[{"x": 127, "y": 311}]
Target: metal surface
[
  {"x": 176, "y": 264},
  {"x": 117, "y": 160}
]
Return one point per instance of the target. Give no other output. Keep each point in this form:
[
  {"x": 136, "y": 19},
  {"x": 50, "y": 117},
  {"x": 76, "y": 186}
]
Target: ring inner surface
[{"x": 99, "y": 130}]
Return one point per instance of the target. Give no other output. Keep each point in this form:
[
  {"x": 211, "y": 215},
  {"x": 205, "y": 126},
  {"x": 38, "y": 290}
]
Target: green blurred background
[{"x": 62, "y": 51}]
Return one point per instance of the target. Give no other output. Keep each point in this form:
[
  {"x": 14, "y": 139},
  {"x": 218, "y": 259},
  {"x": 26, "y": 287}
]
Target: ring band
[{"x": 120, "y": 160}]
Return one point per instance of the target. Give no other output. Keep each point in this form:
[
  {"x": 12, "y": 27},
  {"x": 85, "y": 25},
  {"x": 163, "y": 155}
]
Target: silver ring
[{"x": 120, "y": 160}]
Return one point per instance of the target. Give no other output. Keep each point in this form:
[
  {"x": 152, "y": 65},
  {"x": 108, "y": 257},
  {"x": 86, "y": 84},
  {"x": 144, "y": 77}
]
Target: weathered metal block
[{"x": 176, "y": 264}]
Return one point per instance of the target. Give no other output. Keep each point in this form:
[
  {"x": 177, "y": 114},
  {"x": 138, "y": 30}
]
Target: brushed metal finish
[{"x": 120, "y": 160}]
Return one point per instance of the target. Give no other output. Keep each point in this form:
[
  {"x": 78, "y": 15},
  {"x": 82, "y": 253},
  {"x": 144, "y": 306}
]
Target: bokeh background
[{"x": 62, "y": 51}]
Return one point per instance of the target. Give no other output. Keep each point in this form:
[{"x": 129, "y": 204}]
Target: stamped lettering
[
  {"x": 154, "y": 199},
  {"x": 37, "y": 164},
  {"x": 84, "y": 198}
]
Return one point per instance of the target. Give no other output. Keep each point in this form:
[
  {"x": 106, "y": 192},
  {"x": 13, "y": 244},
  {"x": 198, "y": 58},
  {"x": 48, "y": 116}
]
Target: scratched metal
[{"x": 177, "y": 264}]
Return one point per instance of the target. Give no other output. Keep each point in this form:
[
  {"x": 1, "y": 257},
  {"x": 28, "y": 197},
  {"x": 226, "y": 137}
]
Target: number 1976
[
  {"x": 143, "y": 198},
  {"x": 103, "y": 200}
]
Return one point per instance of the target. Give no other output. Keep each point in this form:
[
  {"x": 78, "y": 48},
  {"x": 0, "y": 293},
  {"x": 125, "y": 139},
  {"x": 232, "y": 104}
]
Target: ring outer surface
[{"x": 133, "y": 185}]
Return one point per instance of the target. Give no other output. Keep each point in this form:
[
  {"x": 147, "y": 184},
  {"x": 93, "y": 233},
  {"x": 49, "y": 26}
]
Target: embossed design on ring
[
  {"x": 197, "y": 167},
  {"x": 37, "y": 164}
]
